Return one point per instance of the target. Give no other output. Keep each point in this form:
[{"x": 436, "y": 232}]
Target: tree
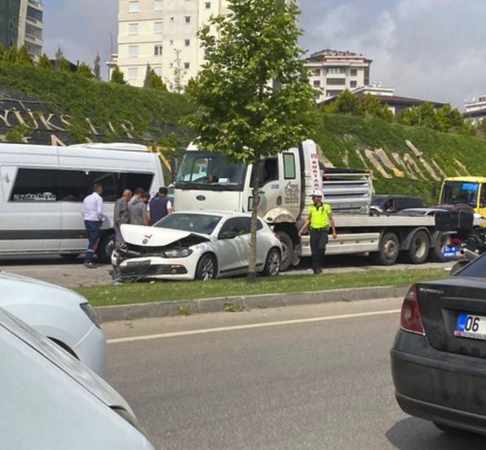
[
  {"x": 23, "y": 57},
  {"x": 179, "y": 73},
  {"x": 10, "y": 55},
  {"x": 85, "y": 71},
  {"x": 346, "y": 103},
  {"x": 97, "y": 67},
  {"x": 117, "y": 76},
  {"x": 59, "y": 59},
  {"x": 44, "y": 62},
  {"x": 2, "y": 50},
  {"x": 147, "y": 82},
  {"x": 253, "y": 93}
]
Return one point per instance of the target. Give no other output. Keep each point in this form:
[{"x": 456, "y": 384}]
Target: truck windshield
[
  {"x": 211, "y": 171},
  {"x": 456, "y": 192}
]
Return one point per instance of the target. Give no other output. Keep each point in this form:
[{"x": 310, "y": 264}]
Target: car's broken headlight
[{"x": 178, "y": 253}]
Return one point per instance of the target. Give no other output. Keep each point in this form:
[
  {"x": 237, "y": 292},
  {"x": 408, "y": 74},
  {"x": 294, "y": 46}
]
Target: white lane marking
[{"x": 250, "y": 326}]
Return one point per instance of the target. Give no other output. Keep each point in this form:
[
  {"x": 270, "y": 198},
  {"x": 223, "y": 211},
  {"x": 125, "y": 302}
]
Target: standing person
[
  {"x": 318, "y": 221},
  {"x": 137, "y": 193},
  {"x": 121, "y": 214},
  {"x": 93, "y": 217},
  {"x": 160, "y": 206},
  {"x": 138, "y": 210}
]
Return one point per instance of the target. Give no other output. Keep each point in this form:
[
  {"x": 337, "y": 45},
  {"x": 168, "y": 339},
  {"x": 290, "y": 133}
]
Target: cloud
[
  {"x": 431, "y": 49},
  {"x": 81, "y": 29}
]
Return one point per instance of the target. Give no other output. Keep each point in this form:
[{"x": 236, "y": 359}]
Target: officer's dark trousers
[{"x": 318, "y": 241}]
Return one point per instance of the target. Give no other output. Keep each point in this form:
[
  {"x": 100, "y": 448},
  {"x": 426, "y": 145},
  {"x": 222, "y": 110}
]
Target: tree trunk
[{"x": 252, "y": 276}]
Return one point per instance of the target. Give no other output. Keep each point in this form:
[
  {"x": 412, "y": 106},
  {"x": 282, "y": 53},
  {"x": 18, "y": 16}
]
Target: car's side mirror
[{"x": 227, "y": 235}]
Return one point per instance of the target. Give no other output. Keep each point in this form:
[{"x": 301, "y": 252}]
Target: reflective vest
[{"x": 319, "y": 217}]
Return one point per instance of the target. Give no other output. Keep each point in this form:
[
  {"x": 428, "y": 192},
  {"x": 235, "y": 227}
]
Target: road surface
[{"x": 310, "y": 377}]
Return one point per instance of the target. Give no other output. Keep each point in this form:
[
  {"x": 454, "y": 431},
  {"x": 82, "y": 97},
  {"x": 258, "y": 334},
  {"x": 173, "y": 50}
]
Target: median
[{"x": 183, "y": 291}]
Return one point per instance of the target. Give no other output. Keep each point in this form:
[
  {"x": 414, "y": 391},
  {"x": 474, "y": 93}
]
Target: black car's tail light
[{"x": 410, "y": 319}]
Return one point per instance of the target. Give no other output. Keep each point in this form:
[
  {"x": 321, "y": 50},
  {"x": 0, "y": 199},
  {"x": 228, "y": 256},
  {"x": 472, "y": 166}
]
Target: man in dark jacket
[{"x": 160, "y": 206}]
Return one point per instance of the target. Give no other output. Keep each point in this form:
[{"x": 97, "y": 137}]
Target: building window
[
  {"x": 133, "y": 51},
  {"x": 354, "y": 72},
  {"x": 208, "y": 5},
  {"x": 158, "y": 50},
  {"x": 353, "y": 84},
  {"x": 158, "y": 70},
  {"x": 158, "y": 27},
  {"x": 187, "y": 42},
  {"x": 159, "y": 5},
  {"x": 317, "y": 72},
  {"x": 336, "y": 81},
  {"x": 332, "y": 93},
  {"x": 132, "y": 73},
  {"x": 187, "y": 65},
  {"x": 317, "y": 83},
  {"x": 133, "y": 28},
  {"x": 187, "y": 19},
  {"x": 336, "y": 70},
  {"x": 133, "y": 7}
]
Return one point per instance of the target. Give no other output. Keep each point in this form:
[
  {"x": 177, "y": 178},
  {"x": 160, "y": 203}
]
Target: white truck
[{"x": 209, "y": 181}]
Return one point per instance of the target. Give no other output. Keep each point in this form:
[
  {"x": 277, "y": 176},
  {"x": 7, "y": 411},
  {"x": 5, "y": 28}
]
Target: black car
[
  {"x": 386, "y": 203},
  {"x": 438, "y": 359}
]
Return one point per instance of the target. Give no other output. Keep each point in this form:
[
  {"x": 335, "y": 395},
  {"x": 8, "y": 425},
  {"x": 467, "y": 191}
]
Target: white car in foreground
[
  {"x": 195, "y": 245},
  {"x": 50, "y": 401},
  {"x": 60, "y": 314}
]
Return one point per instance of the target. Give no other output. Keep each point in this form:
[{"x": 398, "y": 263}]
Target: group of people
[{"x": 135, "y": 209}]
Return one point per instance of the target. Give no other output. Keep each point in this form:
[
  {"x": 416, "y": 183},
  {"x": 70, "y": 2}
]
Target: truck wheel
[
  {"x": 419, "y": 248},
  {"x": 388, "y": 251},
  {"x": 105, "y": 248},
  {"x": 287, "y": 250}
]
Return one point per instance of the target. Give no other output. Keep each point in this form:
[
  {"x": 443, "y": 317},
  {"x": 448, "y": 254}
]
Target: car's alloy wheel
[
  {"x": 273, "y": 263},
  {"x": 206, "y": 268}
]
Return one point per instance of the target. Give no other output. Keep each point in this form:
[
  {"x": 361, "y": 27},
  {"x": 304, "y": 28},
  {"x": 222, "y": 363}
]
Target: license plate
[
  {"x": 145, "y": 262},
  {"x": 469, "y": 326},
  {"x": 450, "y": 251}
]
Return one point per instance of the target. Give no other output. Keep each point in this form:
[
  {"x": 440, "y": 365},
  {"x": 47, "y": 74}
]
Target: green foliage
[
  {"x": 346, "y": 103},
  {"x": 97, "y": 67},
  {"x": 10, "y": 55},
  {"x": 23, "y": 57},
  {"x": 2, "y": 50},
  {"x": 153, "y": 81},
  {"x": 85, "y": 71},
  {"x": 44, "y": 62},
  {"x": 242, "y": 113},
  {"x": 117, "y": 76},
  {"x": 17, "y": 135},
  {"x": 152, "y": 114},
  {"x": 233, "y": 307}
]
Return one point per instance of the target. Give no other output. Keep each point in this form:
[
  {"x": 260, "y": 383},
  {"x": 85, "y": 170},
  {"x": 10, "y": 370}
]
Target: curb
[{"x": 164, "y": 309}]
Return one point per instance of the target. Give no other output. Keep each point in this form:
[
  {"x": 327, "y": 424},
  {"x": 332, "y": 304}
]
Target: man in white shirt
[{"x": 93, "y": 217}]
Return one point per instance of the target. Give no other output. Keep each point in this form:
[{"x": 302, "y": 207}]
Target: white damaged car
[{"x": 194, "y": 245}]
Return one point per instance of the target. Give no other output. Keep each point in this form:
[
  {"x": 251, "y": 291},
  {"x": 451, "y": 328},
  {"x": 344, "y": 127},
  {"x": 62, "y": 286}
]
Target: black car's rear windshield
[{"x": 476, "y": 269}]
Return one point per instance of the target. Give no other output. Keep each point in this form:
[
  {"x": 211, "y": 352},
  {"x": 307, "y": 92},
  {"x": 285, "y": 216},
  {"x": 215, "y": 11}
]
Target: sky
[{"x": 428, "y": 49}]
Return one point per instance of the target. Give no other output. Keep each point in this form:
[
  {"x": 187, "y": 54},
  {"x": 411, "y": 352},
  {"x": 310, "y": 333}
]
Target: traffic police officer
[{"x": 318, "y": 221}]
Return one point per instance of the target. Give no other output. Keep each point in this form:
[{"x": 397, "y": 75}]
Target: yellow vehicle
[{"x": 465, "y": 191}]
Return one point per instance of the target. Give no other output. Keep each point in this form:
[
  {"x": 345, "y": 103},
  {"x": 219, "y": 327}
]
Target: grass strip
[{"x": 168, "y": 291}]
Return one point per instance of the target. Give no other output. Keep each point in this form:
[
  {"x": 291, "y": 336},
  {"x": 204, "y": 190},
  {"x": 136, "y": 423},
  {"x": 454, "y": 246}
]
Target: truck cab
[{"x": 469, "y": 191}]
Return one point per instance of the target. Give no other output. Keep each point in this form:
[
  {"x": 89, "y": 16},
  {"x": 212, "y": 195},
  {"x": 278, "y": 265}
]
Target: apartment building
[
  {"x": 332, "y": 72},
  {"x": 163, "y": 33},
  {"x": 21, "y": 23}
]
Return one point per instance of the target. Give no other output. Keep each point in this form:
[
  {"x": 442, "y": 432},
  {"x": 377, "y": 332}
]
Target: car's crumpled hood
[{"x": 155, "y": 237}]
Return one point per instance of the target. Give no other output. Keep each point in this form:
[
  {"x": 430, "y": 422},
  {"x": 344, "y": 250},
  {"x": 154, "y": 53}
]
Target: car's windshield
[
  {"x": 209, "y": 170},
  {"x": 196, "y": 223},
  {"x": 456, "y": 192}
]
